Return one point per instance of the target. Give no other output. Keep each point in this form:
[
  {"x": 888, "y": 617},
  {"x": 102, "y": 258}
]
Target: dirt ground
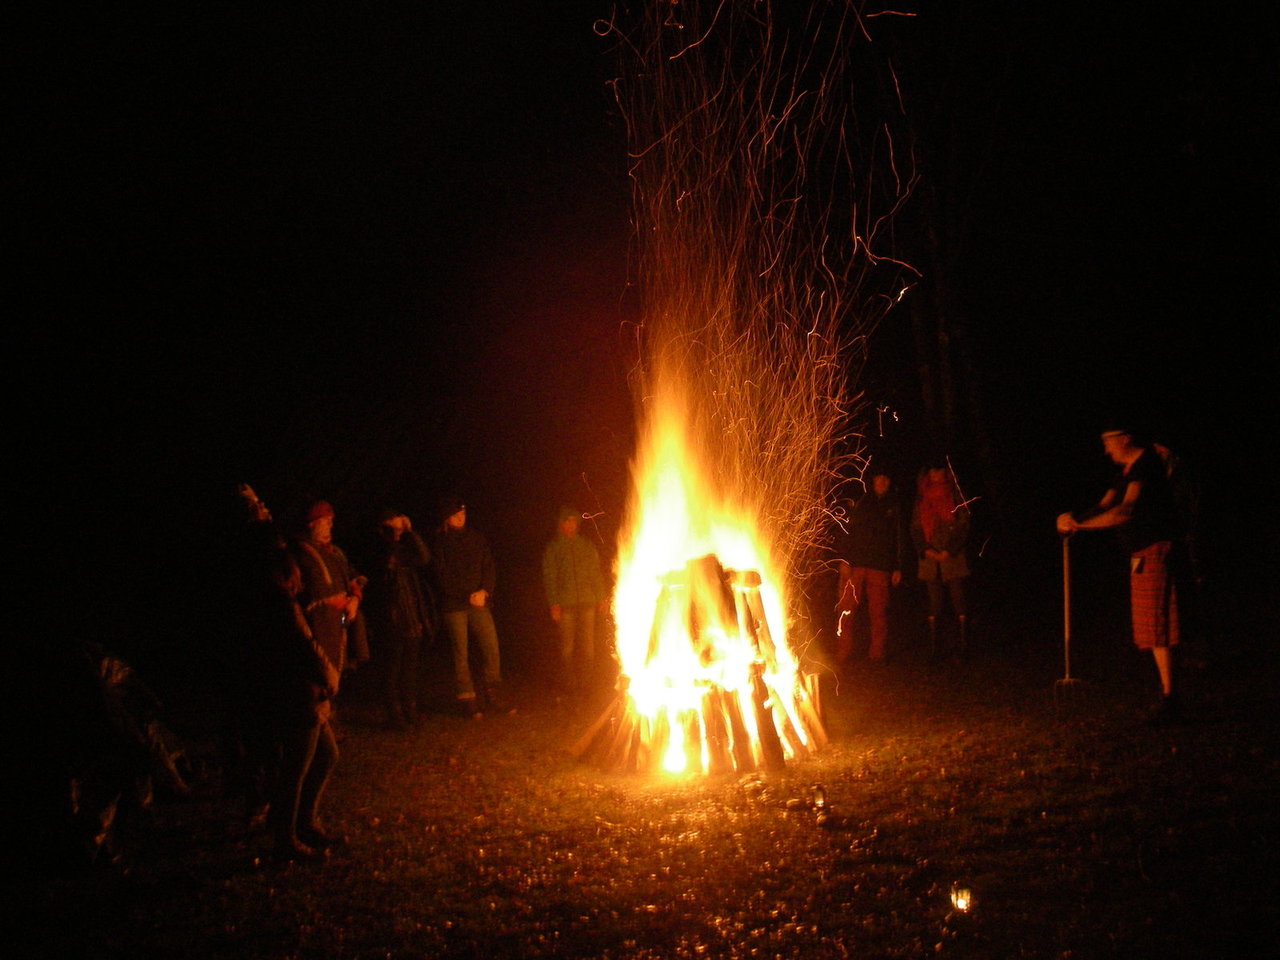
[{"x": 1079, "y": 830}]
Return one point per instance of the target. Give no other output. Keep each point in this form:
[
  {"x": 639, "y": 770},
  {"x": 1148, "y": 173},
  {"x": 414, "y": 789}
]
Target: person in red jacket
[{"x": 940, "y": 532}]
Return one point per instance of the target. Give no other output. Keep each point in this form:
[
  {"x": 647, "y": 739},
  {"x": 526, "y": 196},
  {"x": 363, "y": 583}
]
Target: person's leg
[
  {"x": 934, "y": 589},
  {"x": 486, "y": 634},
  {"x": 392, "y": 679},
  {"x": 877, "y": 593},
  {"x": 324, "y": 759},
  {"x": 255, "y": 764},
  {"x": 959, "y": 603},
  {"x": 1154, "y": 606},
  {"x": 960, "y": 606},
  {"x": 411, "y": 677},
  {"x": 1164, "y": 667},
  {"x": 297, "y": 748},
  {"x": 568, "y": 626},
  {"x": 456, "y": 622}
]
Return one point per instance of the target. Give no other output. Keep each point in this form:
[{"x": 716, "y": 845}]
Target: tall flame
[
  {"x": 681, "y": 513},
  {"x": 757, "y": 238}
]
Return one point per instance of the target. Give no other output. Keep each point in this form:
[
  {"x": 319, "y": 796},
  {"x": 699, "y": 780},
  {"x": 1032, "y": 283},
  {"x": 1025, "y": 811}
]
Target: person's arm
[
  {"x": 1113, "y": 514},
  {"x": 1108, "y": 513},
  {"x": 488, "y": 576}
]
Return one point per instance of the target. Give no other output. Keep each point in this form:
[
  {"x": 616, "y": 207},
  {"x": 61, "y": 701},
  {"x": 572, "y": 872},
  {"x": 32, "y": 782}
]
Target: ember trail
[{"x": 758, "y": 231}]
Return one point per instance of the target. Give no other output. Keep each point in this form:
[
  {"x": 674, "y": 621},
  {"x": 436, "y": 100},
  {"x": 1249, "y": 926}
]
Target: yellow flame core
[{"x": 679, "y": 513}]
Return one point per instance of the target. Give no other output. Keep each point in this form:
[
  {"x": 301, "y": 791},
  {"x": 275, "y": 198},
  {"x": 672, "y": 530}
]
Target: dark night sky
[{"x": 374, "y": 252}]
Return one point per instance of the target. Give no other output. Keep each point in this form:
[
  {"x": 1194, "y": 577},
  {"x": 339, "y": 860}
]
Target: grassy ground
[{"x": 1081, "y": 831}]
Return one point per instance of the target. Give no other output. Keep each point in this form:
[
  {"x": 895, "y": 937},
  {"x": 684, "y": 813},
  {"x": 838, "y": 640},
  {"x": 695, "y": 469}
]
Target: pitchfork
[{"x": 1068, "y": 682}]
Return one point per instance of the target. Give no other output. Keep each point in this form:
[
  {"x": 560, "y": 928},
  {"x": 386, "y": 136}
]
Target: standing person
[
  {"x": 327, "y": 592},
  {"x": 399, "y": 615},
  {"x": 299, "y": 687},
  {"x": 282, "y": 695},
  {"x": 255, "y": 593},
  {"x": 575, "y": 593},
  {"x": 1139, "y": 505},
  {"x": 466, "y": 576},
  {"x": 872, "y": 552},
  {"x": 331, "y": 589},
  {"x": 940, "y": 532}
]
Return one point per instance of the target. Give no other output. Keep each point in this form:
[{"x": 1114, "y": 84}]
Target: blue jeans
[{"x": 477, "y": 622}]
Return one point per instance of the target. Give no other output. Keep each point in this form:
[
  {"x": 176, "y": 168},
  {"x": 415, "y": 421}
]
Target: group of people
[
  {"x": 305, "y": 618},
  {"x": 876, "y": 545},
  {"x": 306, "y": 615},
  {"x": 1140, "y": 504}
]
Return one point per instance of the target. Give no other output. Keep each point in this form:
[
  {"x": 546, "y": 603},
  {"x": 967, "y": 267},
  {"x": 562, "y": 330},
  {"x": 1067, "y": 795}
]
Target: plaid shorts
[{"x": 1152, "y": 597}]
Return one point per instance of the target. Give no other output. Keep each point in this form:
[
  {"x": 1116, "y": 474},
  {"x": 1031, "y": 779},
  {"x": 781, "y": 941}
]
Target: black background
[{"x": 378, "y": 253}]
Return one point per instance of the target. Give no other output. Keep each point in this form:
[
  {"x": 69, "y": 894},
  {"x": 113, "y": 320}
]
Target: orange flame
[{"x": 686, "y": 633}]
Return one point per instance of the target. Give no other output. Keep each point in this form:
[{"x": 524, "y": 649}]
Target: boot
[
  {"x": 933, "y": 638},
  {"x": 962, "y": 638}
]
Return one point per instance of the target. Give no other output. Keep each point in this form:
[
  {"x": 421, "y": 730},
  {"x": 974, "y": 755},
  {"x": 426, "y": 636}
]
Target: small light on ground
[{"x": 961, "y": 898}]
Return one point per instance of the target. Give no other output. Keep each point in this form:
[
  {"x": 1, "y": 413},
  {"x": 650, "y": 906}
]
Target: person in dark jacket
[
  {"x": 399, "y": 615},
  {"x": 575, "y": 593},
  {"x": 465, "y": 577},
  {"x": 1139, "y": 505},
  {"x": 870, "y": 564}
]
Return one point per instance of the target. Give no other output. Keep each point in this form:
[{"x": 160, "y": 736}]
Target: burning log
[{"x": 739, "y": 716}]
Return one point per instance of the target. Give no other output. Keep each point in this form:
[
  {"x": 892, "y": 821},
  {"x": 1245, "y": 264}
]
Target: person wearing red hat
[{"x": 330, "y": 599}]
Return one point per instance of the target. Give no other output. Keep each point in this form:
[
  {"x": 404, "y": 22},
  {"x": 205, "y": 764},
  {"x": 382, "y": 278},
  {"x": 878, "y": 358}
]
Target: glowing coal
[{"x": 710, "y": 697}]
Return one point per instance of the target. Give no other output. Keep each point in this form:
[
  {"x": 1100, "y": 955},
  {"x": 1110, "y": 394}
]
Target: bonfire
[{"x": 758, "y": 234}]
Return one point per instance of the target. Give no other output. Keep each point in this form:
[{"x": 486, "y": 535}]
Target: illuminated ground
[{"x": 1082, "y": 832}]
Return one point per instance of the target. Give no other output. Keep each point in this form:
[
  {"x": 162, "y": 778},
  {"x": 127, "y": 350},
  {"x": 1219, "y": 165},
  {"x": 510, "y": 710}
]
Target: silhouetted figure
[
  {"x": 331, "y": 589},
  {"x": 399, "y": 615},
  {"x": 871, "y": 556},
  {"x": 1139, "y": 505},
  {"x": 326, "y": 595},
  {"x": 465, "y": 575},
  {"x": 281, "y": 697},
  {"x": 940, "y": 533},
  {"x": 257, "y": 568},
  {"x": 101, "y": 752}
]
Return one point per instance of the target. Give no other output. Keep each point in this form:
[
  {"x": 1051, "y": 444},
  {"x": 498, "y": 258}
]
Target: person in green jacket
[{"x": 575, "y": 592}]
